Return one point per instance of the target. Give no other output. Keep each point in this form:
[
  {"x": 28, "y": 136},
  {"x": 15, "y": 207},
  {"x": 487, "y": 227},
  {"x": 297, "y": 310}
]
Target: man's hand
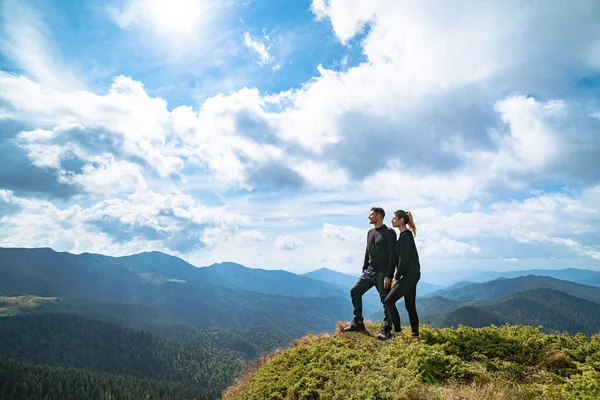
[
  {"x": 394, "y": 283},
  {"x": 387, "y": 283}
]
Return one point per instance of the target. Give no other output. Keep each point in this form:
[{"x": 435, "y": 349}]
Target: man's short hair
[{"x": 379, "y": 210}]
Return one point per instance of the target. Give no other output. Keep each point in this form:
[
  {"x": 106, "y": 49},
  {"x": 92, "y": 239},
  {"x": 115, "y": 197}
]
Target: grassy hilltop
[{"x": 507, "y": 362}]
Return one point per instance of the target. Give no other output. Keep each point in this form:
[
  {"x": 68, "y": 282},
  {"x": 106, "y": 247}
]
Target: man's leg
[
  {"x": 364, "y": 283},
  {"x": 387, "y": 322}
]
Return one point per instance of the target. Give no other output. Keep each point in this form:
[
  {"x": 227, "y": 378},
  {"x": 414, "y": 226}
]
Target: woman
[{"x": 408, "y": 272}]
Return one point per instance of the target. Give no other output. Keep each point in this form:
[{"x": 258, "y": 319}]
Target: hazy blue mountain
[
  {"x": 159, "y": 264},
  {"x": 503, "y": 287},
  {"x": 584, "y": 276},
  {"x": 457, "y": 285},
  {"x": 424, "y": 288},
  {"x": 552, "y": 309},
  {"x": 278, "y": 282},
  {"x": 346, "y": 281},
  {"x": 159, "y": 267},
  {"x": 137, "y": 280},
  {"x": 591, "y": 281},
  {"x": 334, "y": 277},
  {"x": 436, "y": 305}
]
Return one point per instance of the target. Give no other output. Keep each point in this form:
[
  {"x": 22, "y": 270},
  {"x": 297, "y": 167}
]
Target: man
[{"x": 378, "y": 270}]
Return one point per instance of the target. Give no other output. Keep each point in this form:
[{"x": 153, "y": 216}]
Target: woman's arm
[{"x": 404, "y": 248}]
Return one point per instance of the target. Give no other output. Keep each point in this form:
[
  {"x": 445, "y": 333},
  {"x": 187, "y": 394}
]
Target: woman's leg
[
  {"x": 404, "y": 286},
  {"x": 411, "y": 308}
]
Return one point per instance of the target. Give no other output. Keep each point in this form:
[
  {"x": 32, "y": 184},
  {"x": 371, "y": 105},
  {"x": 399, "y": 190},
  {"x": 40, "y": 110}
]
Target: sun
[{"x": 177, "y": 17}]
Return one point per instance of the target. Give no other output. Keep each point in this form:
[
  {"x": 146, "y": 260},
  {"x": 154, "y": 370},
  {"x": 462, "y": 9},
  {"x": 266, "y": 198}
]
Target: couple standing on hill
[{"x": 392, "y": 266}]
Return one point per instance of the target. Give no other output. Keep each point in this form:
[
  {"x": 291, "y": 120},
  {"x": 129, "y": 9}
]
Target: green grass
[
  {"x": 508, "y": 362},
  {"x": 14, "y": 305}
]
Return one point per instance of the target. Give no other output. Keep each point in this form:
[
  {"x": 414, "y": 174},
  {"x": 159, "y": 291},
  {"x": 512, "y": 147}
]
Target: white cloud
[
  {"x": 322, "y": 175},
  {"x": 532, "y": 142},
  {"x": 438, "y": 43},
  {"x": 582, "y": 250},
  {"x": 43, "y": 155},
  {"x": 288, "y": 242},
  {"x": 259, "y": 48},
  {"x": 253, "y": 236},
  {"x": 533, "y": 220},
  {"x": 36, "y": 135},
  {"x": 125, "y": 122},
  {"x": 142, "y": 221},
  {"x": 236, "y": 138},
  {"x": 5, "y": 195},
  {"x": 25, "y": 39},
  {"x": 109, "y": 177},
  {"x": 342, "y": 233},
  {"x": 446, "y": 247},
  {"x": 339, "y": 258}
]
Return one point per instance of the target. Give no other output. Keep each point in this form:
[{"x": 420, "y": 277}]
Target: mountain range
[
  {"x": 583, "y": 276},
  {"x": 503, "y": 287},
  {"x": 162, "y": 327},
  {"x": 156, "y": 289},
  {"x": 170, "y": 285}
]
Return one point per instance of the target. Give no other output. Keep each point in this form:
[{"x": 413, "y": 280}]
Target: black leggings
[{"x": 407, "y": 288}]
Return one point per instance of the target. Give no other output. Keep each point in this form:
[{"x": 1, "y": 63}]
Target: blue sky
[{"x": 263, "y": 132}]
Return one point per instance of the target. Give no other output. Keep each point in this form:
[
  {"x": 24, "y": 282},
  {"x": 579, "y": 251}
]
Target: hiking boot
[
  {"x": 355, "y": 327},
  {"x": 384, "y": 335}
]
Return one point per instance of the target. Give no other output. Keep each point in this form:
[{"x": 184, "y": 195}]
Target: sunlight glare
[{"x": 178, "y": 17}]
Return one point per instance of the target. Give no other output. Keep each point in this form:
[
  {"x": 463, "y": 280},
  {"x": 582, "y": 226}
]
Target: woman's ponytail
[{"x": 411, "y": 223}]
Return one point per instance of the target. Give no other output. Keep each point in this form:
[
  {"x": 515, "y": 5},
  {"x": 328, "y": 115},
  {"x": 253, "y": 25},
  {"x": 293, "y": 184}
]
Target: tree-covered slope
[
  {"x": 19, "y": 380},
  {"x": 72, "y": 341},
  {"x": 551, "y": 309}
]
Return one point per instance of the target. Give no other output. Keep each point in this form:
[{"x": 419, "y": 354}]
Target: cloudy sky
[{"x": 262, "y": 132}]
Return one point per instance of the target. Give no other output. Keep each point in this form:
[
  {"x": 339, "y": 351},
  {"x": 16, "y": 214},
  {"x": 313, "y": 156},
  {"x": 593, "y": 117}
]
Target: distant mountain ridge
[
  {"x": 503, "y": 287},
  {"x": 278, "y": 282},
  {"x": 185, "y": 295},
  {"x": 583, "y": 276}
]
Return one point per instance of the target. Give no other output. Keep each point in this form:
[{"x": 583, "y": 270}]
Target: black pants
[
  {"x": 366, "y": 281},
  {"x": 407, "y": 287}
]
